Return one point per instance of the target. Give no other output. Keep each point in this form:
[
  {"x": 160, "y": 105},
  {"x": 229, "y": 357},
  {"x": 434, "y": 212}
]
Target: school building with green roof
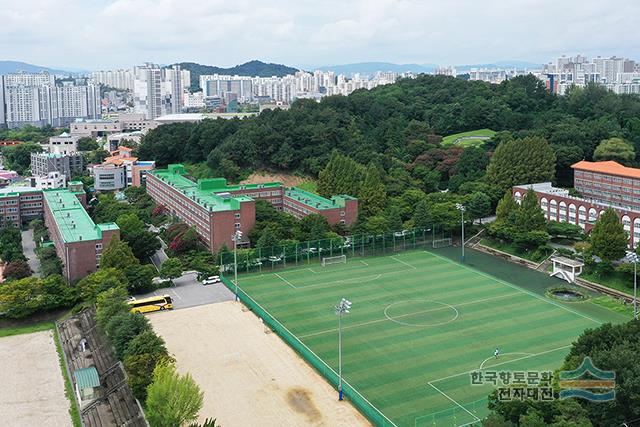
[
  {"x": 217, "y": 209},
  {"x": 78, "y": 240}
]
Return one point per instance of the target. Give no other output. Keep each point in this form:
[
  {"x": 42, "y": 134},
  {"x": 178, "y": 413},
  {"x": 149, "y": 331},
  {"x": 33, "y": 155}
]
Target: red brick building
[
  {"x": 216, "y": 209},
  {"x": 601, "y": 185},
  {"x": 78, "y": 240}
]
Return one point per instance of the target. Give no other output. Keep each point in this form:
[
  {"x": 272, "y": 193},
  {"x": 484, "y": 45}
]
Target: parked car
[{"x": 211, "y": 280}]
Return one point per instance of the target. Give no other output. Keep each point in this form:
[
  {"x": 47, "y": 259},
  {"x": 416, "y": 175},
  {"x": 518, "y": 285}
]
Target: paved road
[
  {"x": 188, "y": 292},
  {"x": 29, "y": 247}
]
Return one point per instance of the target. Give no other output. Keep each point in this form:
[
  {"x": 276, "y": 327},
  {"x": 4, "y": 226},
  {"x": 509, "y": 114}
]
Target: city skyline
[{"x": 110, "y": 34}]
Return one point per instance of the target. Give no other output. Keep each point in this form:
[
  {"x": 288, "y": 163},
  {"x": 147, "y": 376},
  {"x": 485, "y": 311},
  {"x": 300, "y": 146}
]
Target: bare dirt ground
[
  {"x": 32, "y": 391},
  {"x": 249, "y": 377},
  {"x": 264, "y": 177}
]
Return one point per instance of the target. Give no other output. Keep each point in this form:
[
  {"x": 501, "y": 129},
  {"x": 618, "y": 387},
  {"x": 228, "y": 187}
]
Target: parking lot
[{"x": 188, "y": 292}]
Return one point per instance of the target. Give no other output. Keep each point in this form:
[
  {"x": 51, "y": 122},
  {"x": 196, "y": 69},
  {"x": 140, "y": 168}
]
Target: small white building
[
  {"x": 109, "y": 177},
  {"x": 62, "y": 144},
  {"x": 50, "y": 180}
]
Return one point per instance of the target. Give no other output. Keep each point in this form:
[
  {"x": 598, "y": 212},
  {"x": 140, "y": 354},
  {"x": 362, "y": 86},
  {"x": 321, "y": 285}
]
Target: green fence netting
[
  {"x": 361, "y": 245},
  {"x": 363, "y": 405}
]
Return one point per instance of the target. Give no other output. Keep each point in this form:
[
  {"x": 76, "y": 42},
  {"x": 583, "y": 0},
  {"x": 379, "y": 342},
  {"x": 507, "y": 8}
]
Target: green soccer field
[{"x": 419, "y": 324}]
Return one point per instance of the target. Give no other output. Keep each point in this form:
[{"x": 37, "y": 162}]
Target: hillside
[
  {"x": 7, "y": 67},
  {"x": 251, "y": 68}
]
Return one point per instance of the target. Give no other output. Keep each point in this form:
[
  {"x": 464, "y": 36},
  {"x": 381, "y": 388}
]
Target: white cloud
[{"x": 120, "y": 33}]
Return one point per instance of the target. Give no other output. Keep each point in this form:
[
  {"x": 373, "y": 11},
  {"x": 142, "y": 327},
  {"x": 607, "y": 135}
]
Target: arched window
[
  {"x": 518, "y": 197},
  {"x": 593, "y": 215}
]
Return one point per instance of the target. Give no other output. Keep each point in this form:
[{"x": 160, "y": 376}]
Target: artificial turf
[{"x": 419, "y": 324}]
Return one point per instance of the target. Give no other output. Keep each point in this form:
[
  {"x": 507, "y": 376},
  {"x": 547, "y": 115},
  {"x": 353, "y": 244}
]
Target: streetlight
[
  {"x": 342, "y": 308},
  {"x": 633, "y": 257},
  {"x": 461, "y": 208},
  {"x": 237, "y": 236}
]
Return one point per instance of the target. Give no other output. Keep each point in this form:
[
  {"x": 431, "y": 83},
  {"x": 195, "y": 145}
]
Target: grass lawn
[
  {"x": 513, "y": 250},
  {"x": 420, "y": 323},
  {"x": 614, "y": 305},
  {"x": 18, "y": 330},
  {"x": 310, "y": 186},
  {"x": 466, "y": 139},
  {"x": 615, "y": 280}
]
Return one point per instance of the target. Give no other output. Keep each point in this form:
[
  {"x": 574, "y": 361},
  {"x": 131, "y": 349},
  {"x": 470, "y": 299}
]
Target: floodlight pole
[
  {"x": 342, "y": 308},
  {"x": 237, "y": 235},
  {"x": 461, "y": 208},
  {"x": 633, "y": 257}
]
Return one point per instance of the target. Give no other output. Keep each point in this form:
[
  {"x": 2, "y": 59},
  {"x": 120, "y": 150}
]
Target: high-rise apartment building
[
  {"x": 35, "y": 99},
  {"x": 158, "y": 91}
]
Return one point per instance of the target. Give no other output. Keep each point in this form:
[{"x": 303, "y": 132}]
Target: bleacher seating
[{"x": 115, "y": 405}]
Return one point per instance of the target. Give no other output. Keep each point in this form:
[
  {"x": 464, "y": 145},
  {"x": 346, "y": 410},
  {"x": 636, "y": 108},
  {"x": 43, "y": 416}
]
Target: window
[
  {"x": 237, "y": 225},
  {"x": 341, "y": 213},
  {"x": 237, "y": 216}
]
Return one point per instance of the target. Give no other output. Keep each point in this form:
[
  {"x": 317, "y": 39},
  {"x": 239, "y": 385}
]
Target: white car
[{"x": 211, "y": 280}]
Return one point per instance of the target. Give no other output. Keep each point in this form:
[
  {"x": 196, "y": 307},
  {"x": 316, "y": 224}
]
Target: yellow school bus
[{"x": 146, "y": 305}]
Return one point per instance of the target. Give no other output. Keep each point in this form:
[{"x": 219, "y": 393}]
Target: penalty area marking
[
  {"x": 454, "y": 401},
  {"x": 502, "y": 354},
  {"x": 443, "y": 304},
  {"x": 403, "y": 262},
  {"x": 285, "y": 280}
]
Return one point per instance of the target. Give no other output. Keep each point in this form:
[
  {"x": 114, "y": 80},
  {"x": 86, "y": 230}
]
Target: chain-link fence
[{"x": 361, "y": 245}]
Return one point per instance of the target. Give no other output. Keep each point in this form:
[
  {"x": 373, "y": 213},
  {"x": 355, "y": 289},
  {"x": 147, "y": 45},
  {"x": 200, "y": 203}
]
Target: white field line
[
  {"x": 503, "y": 363},
  {"x": 371, "y": 322},
  {"x": 451, "y": 399},
  {"x": 320, "y": 359},
  {"x": 501, "y": 354},
  {"x": 364, "y": 263},
  {"x": 517, "y": 288},
  {"x": 285, "y": 280},
  {"x": 405, "y": 263},
  {"x": 175, "y": 293}
]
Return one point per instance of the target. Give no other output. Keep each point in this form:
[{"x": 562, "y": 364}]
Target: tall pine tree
[
  {"x": 373, "y": 195},
  {"x": 341, "y": 175},
  {"x": 608, "y": 237}
]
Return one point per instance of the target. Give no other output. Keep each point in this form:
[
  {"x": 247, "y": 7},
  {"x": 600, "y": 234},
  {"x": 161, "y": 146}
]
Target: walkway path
[{"x": 29, "y": 248}]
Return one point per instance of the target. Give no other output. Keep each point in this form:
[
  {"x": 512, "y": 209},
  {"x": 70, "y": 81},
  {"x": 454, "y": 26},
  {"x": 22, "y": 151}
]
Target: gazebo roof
[{"x": 567, "y": 261}]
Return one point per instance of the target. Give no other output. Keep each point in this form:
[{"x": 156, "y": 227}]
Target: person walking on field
[{"x": 496, "y": 353}]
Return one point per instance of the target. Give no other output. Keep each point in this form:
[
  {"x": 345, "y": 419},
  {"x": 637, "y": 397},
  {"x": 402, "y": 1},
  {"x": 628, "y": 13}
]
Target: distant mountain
[
  {"x": 370, "y": 68},
  {"x": 520, "y": 65},
  {"x": 7, "y": 67},
  {"x": 251, "y": 68}
]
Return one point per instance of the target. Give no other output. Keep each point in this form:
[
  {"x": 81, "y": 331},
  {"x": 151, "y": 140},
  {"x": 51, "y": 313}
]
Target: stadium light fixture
[
  {"x": 461, "y": 208},
  {"x": 342, "y": 308},
  {"x": 237, "y": 236},
  {"x": 633, "y": 257}
]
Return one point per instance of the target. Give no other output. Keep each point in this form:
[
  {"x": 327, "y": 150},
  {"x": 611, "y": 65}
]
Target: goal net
[
  {"x": 340, "y": 259},
  {"x": 441, "y": 243}
]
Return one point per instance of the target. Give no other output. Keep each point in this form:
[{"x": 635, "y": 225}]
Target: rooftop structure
[
  {"x": 607, "y": 167},
  {"x": 205, "y": 192},
  {"x": 72, "y": 220}
]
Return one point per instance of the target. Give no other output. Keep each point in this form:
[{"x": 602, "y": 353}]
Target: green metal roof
[
  {"x": 316, "y": 201},
  {"x": 87, "y": 377},
  {"x": 16, "y": 191},
  {"x": 72, "y": 220},
  {"x": 204, "y": 192}
]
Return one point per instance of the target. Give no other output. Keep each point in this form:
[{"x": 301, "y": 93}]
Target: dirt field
[
  {"x": 263, "y": 177},
  {"x": 32, "y": 392},
  {"x": 249, "y": 377}
]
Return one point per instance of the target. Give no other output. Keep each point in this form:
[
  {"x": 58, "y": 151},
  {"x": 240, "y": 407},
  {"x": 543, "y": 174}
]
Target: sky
[{"x": 108, "y": 34}]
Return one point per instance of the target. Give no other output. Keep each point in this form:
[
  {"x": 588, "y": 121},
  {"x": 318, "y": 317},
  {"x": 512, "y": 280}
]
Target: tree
[
  {"x": 142, "y": 242},
  {"x": 171, "y": 268},
  {"x": 521, "y": 161},
  {"x": 616, "y": 348},
  {"x": 530, "y": 217},
  {"x": 122, "y": 328},
  {"x": 109, "y": 304},
  {"x": 608, "y": 237},
  {"x": 23, "y": 297},
  {"x": 100, "y": 281},
  {"x": 117, "y": 255},
  {"x": 18, "y": 157},
  {"x": 507, "y": 210},
  {"x": 372, "y": 196},
  {"x": 478, "y": 205},
  {"x": 312, "y": 227},
  {"x": 17, "y": 270},
  {"x": 184, "y": 242},
  {"x": 173, "y": 399},
  {"x": 87, "y": 143},
  {"x": 615, "y": 149},
  {"x": 341, "y": 175},
  {"x": 139, "y": 278}
]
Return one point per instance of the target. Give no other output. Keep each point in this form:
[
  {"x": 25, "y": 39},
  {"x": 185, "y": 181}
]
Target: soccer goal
[
  {"x": 340, "y": 259},
  {"x": 441, "y": 243}
]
